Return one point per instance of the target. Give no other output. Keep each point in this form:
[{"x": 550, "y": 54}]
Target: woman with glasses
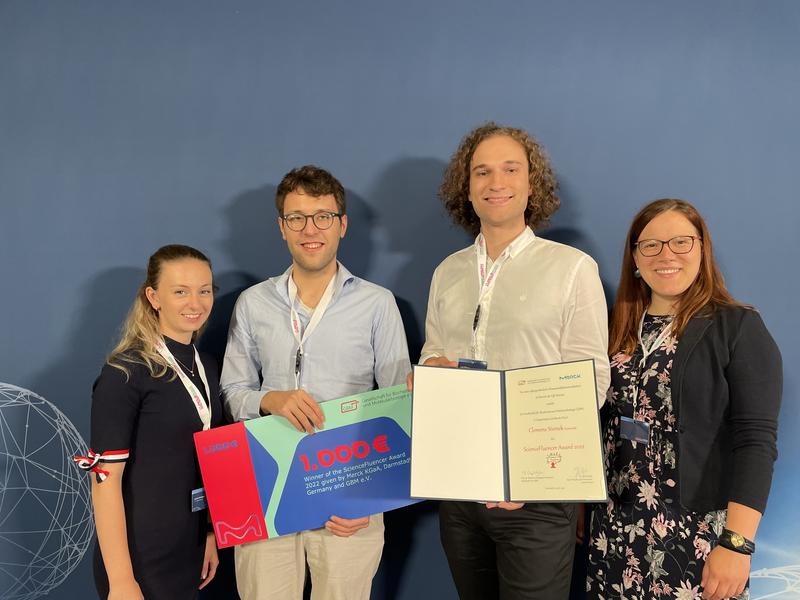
[
  {"x": 154, "y": 392},
  {"x": 690, "y": 421}
]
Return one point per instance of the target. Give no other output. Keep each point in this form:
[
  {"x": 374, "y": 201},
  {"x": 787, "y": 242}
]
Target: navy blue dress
[{"x": 155, "y": 420}]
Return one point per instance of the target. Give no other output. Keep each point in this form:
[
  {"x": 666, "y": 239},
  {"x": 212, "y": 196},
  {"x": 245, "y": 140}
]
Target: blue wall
[{"x": 125, "y": 126}]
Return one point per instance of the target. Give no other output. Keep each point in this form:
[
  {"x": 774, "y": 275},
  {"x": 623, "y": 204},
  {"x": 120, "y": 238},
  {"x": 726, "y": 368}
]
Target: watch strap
[{"x": 736, "y": 542}]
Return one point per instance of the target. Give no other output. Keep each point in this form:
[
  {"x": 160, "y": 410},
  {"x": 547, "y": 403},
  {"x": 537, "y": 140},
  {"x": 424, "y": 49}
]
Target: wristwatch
[{"x": 736, "y": 542}]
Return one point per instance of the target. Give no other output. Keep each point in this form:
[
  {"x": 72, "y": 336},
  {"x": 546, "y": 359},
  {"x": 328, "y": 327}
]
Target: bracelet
[{"x": 736, "y": 542}]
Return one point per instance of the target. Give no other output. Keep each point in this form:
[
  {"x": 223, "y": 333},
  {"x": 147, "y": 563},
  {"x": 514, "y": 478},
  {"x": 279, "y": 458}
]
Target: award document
[
  {"x": 263, "y": 478},
  {"x": 523, "y": 435}
]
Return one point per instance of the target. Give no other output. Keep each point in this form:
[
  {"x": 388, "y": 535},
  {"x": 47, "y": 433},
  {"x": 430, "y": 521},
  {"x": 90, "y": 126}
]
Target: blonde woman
[{"x": 153, "y": 393}]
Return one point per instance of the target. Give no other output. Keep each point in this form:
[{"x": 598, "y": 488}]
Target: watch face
[{"x": 737, "y": 540}]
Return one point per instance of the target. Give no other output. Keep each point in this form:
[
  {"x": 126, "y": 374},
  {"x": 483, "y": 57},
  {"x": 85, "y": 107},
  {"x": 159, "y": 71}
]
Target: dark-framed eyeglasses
[
  {"x": 680, "y": 244},
  {"x": 322, "y": 220}
]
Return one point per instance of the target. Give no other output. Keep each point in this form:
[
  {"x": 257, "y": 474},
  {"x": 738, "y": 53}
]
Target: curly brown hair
[{"x": 454, "y": 190}]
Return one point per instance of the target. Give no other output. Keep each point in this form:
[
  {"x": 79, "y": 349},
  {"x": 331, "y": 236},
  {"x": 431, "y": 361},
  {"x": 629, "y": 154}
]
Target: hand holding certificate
[{"x": 525, "y": 435}]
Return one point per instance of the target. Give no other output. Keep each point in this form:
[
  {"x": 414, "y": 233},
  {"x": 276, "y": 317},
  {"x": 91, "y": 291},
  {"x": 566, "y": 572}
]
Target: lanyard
[
  {"x": 203, "y": 409},
  {"x": 646, "y": 352},
  {"x": 312, "y": 324},
  {"x": 487, "y": 278}
]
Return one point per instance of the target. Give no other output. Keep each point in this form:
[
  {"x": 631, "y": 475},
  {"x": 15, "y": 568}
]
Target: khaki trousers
[{"x": 341, "y": 568}]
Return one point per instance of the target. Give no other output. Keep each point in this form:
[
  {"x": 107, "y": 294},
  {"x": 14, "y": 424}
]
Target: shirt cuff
[
  {"x": 246, "y": 405},
  {"x": 425, "y": 357}
]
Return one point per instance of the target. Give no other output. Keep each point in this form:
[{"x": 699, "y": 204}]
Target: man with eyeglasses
[{"x": 314, "y": 333}]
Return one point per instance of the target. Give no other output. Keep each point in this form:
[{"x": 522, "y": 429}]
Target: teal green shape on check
[{"x": 280, "y": 439}]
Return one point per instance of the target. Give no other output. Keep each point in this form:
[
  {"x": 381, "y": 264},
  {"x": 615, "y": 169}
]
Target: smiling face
[
  {"x": 668, "y": 275},
  {"x": 313, "y": 250},
  {"x": 498, "y": 183},
  {"x": 183, "y": 297}
]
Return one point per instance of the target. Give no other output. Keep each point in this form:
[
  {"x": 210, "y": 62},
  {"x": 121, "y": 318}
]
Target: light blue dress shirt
[{"x": 358, "y": 342}]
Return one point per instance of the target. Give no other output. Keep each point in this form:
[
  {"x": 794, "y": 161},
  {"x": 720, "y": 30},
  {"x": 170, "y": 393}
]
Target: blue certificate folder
[{"x": 263, "y": 478}]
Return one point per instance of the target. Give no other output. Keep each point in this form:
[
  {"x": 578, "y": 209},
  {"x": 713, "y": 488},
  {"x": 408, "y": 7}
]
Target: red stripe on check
[{"x": 230, "y": 484}]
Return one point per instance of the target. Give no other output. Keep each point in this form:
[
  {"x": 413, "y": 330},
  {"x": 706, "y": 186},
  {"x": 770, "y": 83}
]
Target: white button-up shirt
[{"x": 546, "y": 306}]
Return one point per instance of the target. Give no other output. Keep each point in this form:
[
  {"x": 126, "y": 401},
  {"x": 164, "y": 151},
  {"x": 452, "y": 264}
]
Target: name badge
[
  {"x": 636, "y": 431},
  {"x": 199, "y": 500},
  {"x": 471, "y": 363}
]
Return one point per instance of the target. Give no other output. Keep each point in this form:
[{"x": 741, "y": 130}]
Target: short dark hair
[
  {"x": 314, "y": 182},
  {"x": 454, "y": 191}
]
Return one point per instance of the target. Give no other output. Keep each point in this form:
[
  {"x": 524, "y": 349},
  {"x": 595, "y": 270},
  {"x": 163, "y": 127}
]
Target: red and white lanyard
[
  {"x": 488, "y": 276},
  {"x": 203, "y": 409},
  {"x": 316, "y": 317}
]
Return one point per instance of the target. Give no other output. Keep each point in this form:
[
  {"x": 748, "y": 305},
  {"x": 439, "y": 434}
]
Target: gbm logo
[
  {"x": 220, "y": 447},
  {"x": 349, "y": 406}
]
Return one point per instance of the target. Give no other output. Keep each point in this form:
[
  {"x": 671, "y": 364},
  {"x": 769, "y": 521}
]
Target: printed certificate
[
  {"x": 524, "y": 435},
  {"x": 263, "y": 478}
]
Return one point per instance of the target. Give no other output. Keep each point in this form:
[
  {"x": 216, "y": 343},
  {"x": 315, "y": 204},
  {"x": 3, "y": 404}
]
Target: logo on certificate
[
  {"x": 553, "y": 459},
  {"x": 349, "y": 406}
]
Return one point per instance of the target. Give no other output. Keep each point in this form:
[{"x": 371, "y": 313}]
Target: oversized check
[
  {"x": 523, "y": 435},
  {"x": 263, "y": 478}
]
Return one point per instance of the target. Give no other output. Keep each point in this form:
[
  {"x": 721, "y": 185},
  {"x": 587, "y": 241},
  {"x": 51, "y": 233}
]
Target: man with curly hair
[{"x": 511, "y": 299}]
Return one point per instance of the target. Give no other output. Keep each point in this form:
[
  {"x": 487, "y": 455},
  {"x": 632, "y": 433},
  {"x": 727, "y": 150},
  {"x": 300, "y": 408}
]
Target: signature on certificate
[{"x": 581, "y": 473}]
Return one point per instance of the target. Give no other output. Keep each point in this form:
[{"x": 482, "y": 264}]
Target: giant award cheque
[
  {"x": 523, "y": 435},
  {"x": 263, "y": 478}
]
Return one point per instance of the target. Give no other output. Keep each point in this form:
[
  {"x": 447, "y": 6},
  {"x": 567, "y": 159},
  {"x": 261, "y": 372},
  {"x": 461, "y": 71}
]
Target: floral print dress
[{"x": 643, "y": 543}]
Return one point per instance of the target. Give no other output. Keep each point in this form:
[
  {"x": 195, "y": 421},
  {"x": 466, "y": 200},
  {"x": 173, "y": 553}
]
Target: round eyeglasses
[
  {"x": 681, "y": 244},
  {"x": 322, "y": 220}
]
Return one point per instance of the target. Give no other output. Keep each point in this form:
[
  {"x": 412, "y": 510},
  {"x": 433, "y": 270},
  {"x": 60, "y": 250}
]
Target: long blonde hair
[{"x": 141, "y": 330}]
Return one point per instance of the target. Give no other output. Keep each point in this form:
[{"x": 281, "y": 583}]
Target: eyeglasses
[
  {"x": 681, "y": 244},
  {"x": 322, "y": 220}
]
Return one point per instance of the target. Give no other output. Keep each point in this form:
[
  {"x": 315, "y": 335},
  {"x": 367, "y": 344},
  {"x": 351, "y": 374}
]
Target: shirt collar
[
  {"x": 341, "y": 278},
  {"x": 518, "y": 243}
]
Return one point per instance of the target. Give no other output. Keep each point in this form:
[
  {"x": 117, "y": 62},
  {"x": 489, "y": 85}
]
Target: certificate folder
[{"x": 522, "y": 435}]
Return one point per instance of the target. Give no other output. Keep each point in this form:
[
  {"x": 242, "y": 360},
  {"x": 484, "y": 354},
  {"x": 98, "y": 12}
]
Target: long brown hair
[
  {"x": 141, "y": 328},
  {"x": 454, "y": 190},
  {"x": 705, "y": 294}
]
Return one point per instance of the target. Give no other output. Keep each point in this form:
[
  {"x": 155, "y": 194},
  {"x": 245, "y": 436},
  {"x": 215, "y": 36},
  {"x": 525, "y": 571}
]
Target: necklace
[{"x": 185, "y": 368}]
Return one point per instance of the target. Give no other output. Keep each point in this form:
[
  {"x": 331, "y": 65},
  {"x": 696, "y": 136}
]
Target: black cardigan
[{"x": 726, "y": 381}]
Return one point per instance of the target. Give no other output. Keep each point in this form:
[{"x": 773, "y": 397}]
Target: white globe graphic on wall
[{"x": 46, "y": 520}]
